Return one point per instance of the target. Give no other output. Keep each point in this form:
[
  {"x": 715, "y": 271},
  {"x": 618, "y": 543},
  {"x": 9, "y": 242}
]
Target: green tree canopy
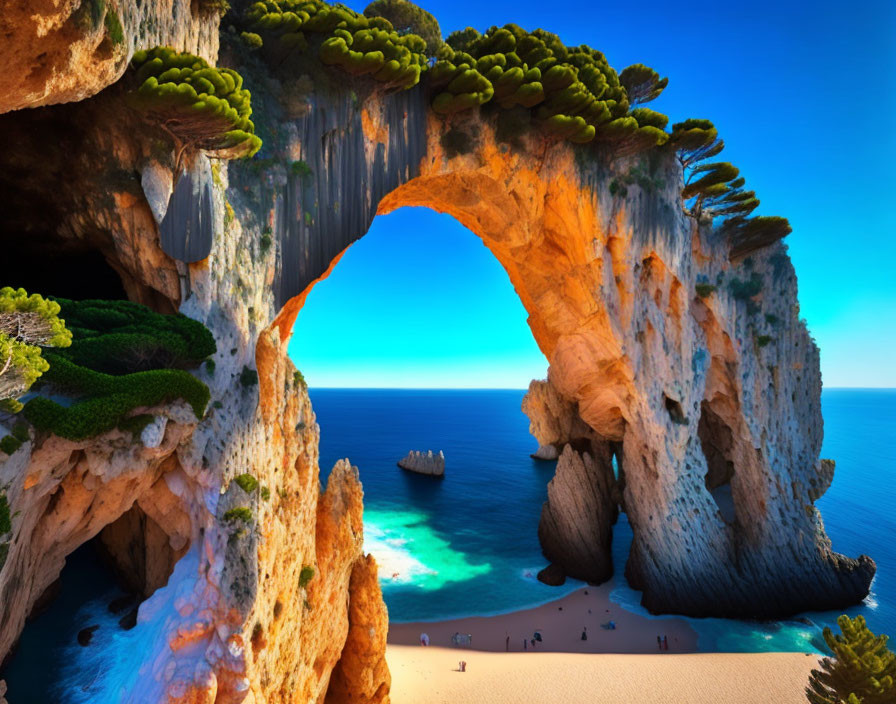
[
  {"x": 408, "y": 18},
  {"x": 746, "y": 235},
  {"x": 200, "y": 106},
  {"x": 27, "y": 323},
  {"x": 642, "y": 83},
  {"x": 862, "y": 671},
  {"x": 574, "y": 92},
  {"x": 695, "y": 140},
  {"x": 706, "y": 179},
  {"x": 359, "y": 45}
]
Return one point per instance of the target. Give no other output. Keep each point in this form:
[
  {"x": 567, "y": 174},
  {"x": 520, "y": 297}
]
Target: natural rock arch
[{"x": 609, "y": 285}]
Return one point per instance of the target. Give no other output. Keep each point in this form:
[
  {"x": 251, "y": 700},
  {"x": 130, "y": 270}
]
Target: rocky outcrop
[
  {"x": 429, "y": 464},
  {"x": 256, "y": 608},
  {"x": 57, "y": 52},
  {"x": 553, "y": 420},
  {"x": 63, "y": 493},
  {"x": 362, "y": 674},
  {"x": 575, "y": 530}
]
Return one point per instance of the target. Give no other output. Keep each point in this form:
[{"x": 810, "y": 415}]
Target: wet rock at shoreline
[{"x": 552, "y": 575}]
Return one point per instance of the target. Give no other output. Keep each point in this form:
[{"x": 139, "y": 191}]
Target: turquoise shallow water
[{"x": 467, "y": 545}]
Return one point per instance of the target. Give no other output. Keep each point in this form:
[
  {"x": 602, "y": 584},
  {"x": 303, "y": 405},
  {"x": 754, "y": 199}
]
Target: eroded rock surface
[
  {"x": 57, "y": 51},
  {"x": 553, "y": 420},
  {"x": 575, "y": 530}
]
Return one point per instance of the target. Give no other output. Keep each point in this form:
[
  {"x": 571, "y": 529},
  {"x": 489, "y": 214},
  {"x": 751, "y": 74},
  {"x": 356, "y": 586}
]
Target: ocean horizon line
[{"x": 525, "y": 388}]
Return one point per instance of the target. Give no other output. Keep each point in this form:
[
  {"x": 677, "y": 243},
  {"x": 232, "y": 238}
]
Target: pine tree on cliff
[
  {"x": 642, "y": 84},
  {"x": 408, "y": 18},
  {"x": 27, "y": 323},
  {"x": 862, "y": 671},
  {"x": 201, "y": 107},
  {"x": 695, "y": 141}
]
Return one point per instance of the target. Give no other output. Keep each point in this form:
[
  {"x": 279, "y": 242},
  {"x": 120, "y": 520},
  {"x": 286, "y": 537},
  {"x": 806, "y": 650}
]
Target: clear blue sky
[{"x": 804, "y": 96}]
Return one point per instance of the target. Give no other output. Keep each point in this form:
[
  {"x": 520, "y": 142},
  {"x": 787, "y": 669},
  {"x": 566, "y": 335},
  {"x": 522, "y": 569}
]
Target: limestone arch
[
  {"x": 531, "y": 216},
  {"x": 607, "y": 280}
]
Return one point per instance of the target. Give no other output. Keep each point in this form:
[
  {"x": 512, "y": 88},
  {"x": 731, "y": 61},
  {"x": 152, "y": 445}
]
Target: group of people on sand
[{"x": 529, "y": 643}]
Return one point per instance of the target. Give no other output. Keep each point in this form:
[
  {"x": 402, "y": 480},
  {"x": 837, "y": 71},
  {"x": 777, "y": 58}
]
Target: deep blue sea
[{"x": 468, "y": 545}]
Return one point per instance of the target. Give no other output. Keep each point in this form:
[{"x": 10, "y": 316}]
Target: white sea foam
[{"x": 409, "y": 552}]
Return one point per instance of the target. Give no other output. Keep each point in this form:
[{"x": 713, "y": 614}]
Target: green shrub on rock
[
  {"x": 123, "y": 356},
  {"x": 251, "y": 40},
  {"x": 246, "y": 482},
  {"x": 5, "y": 516},
  {"x": 240, "y": 513},
  {"x": 306, "y": 575},
  {"x": 200, "y": 106}
]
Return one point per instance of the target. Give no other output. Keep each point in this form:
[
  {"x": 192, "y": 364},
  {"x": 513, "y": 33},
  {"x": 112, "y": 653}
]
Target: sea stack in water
[{"x": 433, "y": 465}]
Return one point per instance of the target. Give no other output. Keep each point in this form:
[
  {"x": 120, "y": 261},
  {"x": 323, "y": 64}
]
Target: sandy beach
[
  {"x": 561, "y": 624},
  {"x": 430, "y": 676},
  {"x": 612, "y": 666}
]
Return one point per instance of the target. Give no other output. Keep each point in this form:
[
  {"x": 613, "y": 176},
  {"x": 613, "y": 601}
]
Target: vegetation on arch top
[
  {"x": 360, "y": 45},
  {"x": 573, "y": 90},
  {"x": 200, "y": 106},
  {"x": 122, "y": 356}
]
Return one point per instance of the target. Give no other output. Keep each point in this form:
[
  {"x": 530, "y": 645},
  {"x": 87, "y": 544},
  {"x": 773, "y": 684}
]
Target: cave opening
[
  {"x": 52, "y": 241},
  {"x": 675, "y": 411},
  {"x": 94, "y": 600},
  {"x": 716, "y": 440}
]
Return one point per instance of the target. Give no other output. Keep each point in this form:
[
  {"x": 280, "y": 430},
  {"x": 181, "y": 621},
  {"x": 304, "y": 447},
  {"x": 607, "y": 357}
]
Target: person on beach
[
  {"x": 424, "y": 639},
  {"x": 584, "y": 633},
  {"x": 507, "y": 644},
  {"x": 665, "y": 643},
  {"x": 659, "y": 642}
]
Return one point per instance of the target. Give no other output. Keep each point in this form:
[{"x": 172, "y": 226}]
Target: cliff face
[
  {"x": 57, "y": 51},
  {"x": 256, "y": 604},
  {"x": 710, "y": 405}
]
